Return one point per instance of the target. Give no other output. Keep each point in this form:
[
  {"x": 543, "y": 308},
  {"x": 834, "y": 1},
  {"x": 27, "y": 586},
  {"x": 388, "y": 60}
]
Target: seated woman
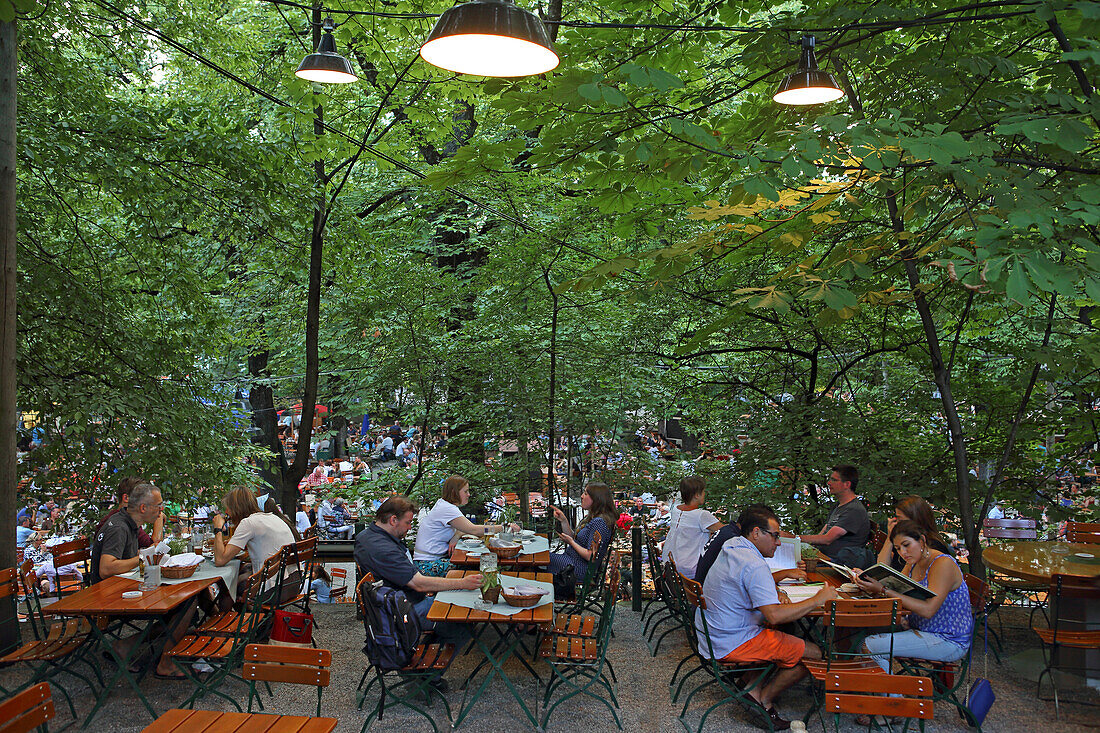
[
  {"x": 440, "y": 529},
  {"x": 321, "y": 585},
  {"x": 600, "y": 516},
  {"x": 690, "y": 526},
  {"x": 940, "y": 628},
  {"x": 261, "y": 533},
  {"x": 915, "y": 509}
]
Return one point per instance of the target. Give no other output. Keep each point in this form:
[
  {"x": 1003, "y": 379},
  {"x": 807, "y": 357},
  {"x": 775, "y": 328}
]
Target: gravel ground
[{"x": 643, "y": 692}]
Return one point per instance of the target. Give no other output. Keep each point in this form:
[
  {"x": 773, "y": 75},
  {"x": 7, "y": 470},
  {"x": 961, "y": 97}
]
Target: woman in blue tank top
[{"x": 940, "y": 628}]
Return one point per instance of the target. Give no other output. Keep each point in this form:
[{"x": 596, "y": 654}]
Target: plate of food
[{"x": 849, "y": 588}]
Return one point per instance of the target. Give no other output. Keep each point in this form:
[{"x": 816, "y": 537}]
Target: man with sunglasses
[{"x": 742, "y": 597}]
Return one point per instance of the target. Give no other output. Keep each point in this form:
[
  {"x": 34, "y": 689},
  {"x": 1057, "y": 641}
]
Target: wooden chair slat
[
  {"x": 905, "y": 707},
  {"x": 172, "y": 720},
  {"x": 895, "y": 683},
  {"x": 288, "y": 673},
  {"x": 287, "y": 655}
]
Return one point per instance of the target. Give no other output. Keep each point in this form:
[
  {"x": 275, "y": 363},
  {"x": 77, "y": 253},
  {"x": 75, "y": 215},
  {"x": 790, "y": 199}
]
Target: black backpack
[{"x": 393, "y": 628}]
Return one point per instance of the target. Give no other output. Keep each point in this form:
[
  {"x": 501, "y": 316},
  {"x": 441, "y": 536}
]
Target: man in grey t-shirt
[{"x": 848, "y": 527}]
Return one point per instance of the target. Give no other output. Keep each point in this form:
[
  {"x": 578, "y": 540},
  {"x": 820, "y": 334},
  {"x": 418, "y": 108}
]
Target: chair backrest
[
  {"x": 877, "y": 540},
  {"x": 1088, "y": 532},
  {"x": 1010, "y": 529},
  {"x": 862, "y": 612},
  {"x": 293, "y": 665},
  {"x": 693, "y": 593},
  {"x": 296, "y": 665},
  {"x": 28, "y": 710},
  {"x": 338, "y": 574},
  {"x": 852, "y": 692},
  {"x": 74, "y": 552},
  {"x": 9, "y": 599}
]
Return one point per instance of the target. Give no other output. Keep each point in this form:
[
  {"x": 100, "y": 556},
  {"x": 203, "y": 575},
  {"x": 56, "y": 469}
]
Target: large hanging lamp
[
  {"x": 325, "y": 65},
  {"x": 490, "y": 38},
  {"x": 808, "y": 85}
]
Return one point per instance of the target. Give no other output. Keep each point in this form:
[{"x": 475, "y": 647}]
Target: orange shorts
[{"x": 770, "y": 646}]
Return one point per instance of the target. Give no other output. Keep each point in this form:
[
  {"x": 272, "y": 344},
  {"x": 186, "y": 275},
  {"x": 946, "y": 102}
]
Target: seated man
[
  {"x": 23, "y": 532},
  {"x": 844, "y": 537},
  {"x": 380, "y": 550},
  {"x": 115, "y": 552},
  {"x": 339, "y": 521},
  {"x": 144, "y": 538},
  {"x": 741, "y": 597}
]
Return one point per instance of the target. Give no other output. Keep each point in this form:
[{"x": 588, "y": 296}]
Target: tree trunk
[
  {"x": 289, "y": 495},
  {"x": 9, "y": 469},
  {"x": 942, "y": 377},
  {"x": 263, "y": 415}
]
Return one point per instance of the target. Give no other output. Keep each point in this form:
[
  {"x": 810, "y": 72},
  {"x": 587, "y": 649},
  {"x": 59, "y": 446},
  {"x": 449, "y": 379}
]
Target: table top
[
  {"x": 458, "y": 614},
  {"x": 537, "y": 560},
  {"x": 1037, "y": 561},
  {"x": 105, "y": 599},
  {"x": 194, "y": 721}
]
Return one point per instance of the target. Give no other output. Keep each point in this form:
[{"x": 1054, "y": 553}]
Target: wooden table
[
  {"x": 1038, "y": 561},
  {"x": 195, "y": 721},
  {"x": 104, "y": 599},
  {"x": 527, "y": 562},
  {"x": 511, "y": 629}
]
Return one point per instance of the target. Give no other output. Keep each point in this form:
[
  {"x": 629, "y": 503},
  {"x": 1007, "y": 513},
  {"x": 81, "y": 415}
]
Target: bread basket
[
  {"x": 177, "y": 572},
  {"x": 520, "y": 601},
  {"x": 505, "y": 553}
]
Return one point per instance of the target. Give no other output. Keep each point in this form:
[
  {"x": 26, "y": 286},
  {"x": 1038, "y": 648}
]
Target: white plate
[
  {"x": 849, "y": 588},
  {"x": 131, "y": 595},
  {"x": 1087, "y": 555}
]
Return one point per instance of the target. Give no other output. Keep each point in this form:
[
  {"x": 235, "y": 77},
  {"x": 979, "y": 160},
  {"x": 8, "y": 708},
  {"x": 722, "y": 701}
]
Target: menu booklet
[{"x": 891, "y": 579}]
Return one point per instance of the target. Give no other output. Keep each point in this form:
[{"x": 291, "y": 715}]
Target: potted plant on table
[{"x": 810, "y": 557}]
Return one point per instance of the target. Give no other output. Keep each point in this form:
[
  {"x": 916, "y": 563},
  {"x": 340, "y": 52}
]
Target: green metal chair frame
[
  {"x": 414, "y": 682},
  {"x": 726, "y": 677},
  {"x": 578, "y": 673}
]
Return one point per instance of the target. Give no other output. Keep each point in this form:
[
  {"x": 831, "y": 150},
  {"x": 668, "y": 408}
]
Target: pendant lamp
[
  {"x": 490, "y": 38},
  {"x": 808, "y": 85},
  {"x": 325, "y": 65}
]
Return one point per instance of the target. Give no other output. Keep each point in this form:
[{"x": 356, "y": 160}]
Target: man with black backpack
[{"x": 380, "y": 549}]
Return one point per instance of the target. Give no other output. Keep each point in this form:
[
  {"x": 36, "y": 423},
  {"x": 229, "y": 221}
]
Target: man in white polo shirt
[{"x": 742, "y": 597}]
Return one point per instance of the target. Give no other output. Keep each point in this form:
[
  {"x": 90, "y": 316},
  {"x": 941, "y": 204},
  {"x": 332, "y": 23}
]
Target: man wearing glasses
[
  {"x": 742, "y": 599},
  {"x": 115, "y": 551}
]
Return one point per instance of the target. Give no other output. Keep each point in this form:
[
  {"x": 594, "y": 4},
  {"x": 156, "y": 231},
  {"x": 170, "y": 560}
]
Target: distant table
[
  {"x": 1038, "y": 561},
  {"x": 104, "y": 599},
  {"x": 511, "y": 630},
  {"x": 192, "y": 721}
]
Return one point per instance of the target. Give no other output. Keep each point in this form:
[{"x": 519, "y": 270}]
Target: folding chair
[
  {"x": 847, "y": 622},
  {"x": 1015, "y": 590},
  {"x": 847, "y": 692},
  {"x": 948, "y": 682},
  {"x": 295, "y": 571},
  {"x": 730, "y": 677},
  {"x": 224, "y": 650},
  {"x": 1068, "y": 633},
  {"x": 577, "y": 663},
  {"x": 30, "y": 709},
  {"x": 414, "y": 680},
  {"x": 57, "y": 648},
  {"x": 293, "y": 665}
]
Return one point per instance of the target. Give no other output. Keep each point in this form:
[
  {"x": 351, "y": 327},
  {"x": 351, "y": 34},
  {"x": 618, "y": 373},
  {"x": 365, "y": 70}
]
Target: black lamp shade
[
  {"x": 490, "y": 38},
  {"x": 325, "y": 65},
  {"x": 808, "y": 85}
]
